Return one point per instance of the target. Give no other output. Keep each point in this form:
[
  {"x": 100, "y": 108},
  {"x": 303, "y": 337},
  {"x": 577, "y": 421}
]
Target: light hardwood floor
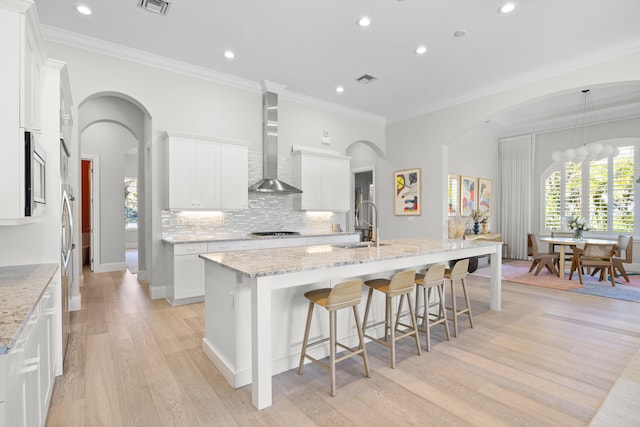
[{"x": 549, "y": 358}]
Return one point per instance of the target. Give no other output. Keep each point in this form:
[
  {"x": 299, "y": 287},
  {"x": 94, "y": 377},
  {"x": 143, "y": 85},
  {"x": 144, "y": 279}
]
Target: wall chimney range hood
[{"x": 270, "y": 182}]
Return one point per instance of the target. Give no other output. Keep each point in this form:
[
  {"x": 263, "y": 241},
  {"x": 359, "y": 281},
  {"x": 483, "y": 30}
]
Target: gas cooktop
[{"x": 275, "y": 233}]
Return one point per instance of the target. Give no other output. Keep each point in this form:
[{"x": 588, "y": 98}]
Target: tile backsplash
[{"x": 266, "y": 213}]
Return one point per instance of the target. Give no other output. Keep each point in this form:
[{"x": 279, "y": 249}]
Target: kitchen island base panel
[
  {"x": 264, "y": 276},
  {"x": 228, "y": 330}
]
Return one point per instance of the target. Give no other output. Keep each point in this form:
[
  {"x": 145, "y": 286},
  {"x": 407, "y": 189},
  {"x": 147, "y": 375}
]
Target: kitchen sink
[{"x": 358, "y": 245}]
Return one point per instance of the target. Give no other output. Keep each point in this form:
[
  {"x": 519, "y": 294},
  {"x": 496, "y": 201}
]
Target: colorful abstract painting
[
  {"x": 467, "y": 195},
  {"x": 408, "y": 197},
  {"x": 484, "y": 195}
]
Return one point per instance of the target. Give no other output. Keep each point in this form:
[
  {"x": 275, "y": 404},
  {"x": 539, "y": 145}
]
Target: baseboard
[
  {"x": 234, "y": 379},
  {"x": 142, "y": 275},
  {"x": 183, "y": 301},
  {"x": 75, "y": 303},
  {"x": 157, "y": 292},
  {"x": 107, "y": 268}
]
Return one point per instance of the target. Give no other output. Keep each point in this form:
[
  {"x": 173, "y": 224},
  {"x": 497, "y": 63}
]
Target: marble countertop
[
  {"x": 196, "y": 238},
  {"x": 20, "y": 289},
  {"x": 268, "y": 262}
]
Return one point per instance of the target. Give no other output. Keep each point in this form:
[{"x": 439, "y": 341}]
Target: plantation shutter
[
  {"x": 553, "y": 201},
  {"x": 623, "y": 191},
  {"x": 598, "y": 194},
  {"x": 573, "y": 190}
]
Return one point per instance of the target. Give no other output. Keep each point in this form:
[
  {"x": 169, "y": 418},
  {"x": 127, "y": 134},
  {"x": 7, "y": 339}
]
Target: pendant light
[{"x": 586, "y": 132}]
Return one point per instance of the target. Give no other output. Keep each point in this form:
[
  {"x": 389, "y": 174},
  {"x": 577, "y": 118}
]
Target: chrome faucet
[{"x": 375, "y": 227}]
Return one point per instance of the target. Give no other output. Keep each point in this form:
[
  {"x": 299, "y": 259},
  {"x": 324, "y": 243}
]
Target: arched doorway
[{"x": 113, "y": 135}]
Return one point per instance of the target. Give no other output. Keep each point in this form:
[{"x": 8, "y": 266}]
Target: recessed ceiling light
[
  {"x": 81, "y": 8},
  {"x": 420, "y": 50},
  {"x": 507, "y": 8},
  {"x": 460, "y": 33},
  {"x": 339, "y": 89},
  {"x": 229, "y": 54},
  {"x": 364, "y": 22}
]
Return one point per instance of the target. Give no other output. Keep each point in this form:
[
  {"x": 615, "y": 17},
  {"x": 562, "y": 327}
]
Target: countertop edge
[{"x": 210, "y": 239}]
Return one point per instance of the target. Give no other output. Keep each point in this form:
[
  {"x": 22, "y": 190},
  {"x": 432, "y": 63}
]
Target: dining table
[{"x": 565, "y": 242}]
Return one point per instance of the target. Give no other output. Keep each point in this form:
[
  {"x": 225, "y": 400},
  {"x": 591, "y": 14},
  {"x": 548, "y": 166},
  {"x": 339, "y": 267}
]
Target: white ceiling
[{"x": 314, "y": 46}]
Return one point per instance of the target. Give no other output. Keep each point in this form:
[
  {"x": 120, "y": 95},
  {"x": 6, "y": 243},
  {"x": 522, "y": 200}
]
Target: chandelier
[{"x": 586, "y": 132}]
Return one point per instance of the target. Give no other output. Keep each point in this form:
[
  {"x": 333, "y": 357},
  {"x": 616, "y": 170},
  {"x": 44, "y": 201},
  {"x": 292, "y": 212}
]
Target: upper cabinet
[
  {"x": 325, "y": 180},
  {"x": 21, "y": 76},
  {"x": 205, "y": 173}
]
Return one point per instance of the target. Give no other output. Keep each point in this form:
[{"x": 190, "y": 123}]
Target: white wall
[
  {"x": 186, "y": 104},
  {"x": 425, "y": 141}
]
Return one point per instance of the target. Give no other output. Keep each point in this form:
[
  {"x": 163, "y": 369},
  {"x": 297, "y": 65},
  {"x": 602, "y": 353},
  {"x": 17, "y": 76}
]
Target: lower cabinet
[{"x": 27, "y": 370}]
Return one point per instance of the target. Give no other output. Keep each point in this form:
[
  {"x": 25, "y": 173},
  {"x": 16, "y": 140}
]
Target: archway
[{"x": 113, "y": 126}]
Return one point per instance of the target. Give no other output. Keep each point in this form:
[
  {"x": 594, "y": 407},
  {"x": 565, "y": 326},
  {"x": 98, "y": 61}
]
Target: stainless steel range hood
[{"x": 270, "y": 182}]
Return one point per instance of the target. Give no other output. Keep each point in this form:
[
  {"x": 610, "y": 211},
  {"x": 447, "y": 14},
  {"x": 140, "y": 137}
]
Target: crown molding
[{"x": 102, "y": 47}]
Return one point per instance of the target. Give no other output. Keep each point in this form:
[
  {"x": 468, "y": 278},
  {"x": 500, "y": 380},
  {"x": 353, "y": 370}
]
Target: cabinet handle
[{"x": 31, "y": 365}]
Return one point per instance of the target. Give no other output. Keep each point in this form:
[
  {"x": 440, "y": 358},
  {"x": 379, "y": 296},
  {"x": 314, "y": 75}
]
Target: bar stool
[
  {"x": 459, "y": 271},
  {"x": 401, "y": 284},
  {"x": 433, "y": 278},
  {"x": 343, "y": 295}
]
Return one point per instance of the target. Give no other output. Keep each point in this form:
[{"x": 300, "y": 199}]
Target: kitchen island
[{"x": 259, "y": 294}]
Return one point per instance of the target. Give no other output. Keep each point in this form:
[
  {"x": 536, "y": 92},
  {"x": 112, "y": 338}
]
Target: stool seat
[
  {"x": 401, "y": 284},
  {"x": 343, "y": 295},
  {"x": 434, "y": 278},
  {"x": 460, "y": 271}
]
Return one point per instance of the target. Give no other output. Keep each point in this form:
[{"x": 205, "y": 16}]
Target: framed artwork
[
  {"x": 484, "y": 195},
  {"x": 407, "y": 197},
  {"x": 467, "y": 195},
  {"x": 452, "y": 191}
]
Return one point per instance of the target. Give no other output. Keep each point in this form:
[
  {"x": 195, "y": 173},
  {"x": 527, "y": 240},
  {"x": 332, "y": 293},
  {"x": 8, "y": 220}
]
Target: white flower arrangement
[{"x": 578, "y": 223}]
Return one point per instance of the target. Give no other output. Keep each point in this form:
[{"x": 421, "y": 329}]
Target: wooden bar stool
[
  {"x": 401, "y": 284},
  {"x": 459, "y": 271},
  {"x": 433, "y": 278},
  {"x": 342, "y": 295}
]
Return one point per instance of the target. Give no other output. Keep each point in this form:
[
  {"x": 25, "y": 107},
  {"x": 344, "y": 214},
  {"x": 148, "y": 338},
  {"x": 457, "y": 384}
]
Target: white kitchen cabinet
[
  {"x": 23, "y": 59},
  {"x": 186, "y": 270},
  {"x": 204, "y": 174},
  {"x": 325, "y": 180},
  {"x": 27, "y": 369}
]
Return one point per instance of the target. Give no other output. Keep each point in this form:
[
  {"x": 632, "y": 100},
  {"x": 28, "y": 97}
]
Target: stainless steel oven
[{"x": 34, "y": 174}]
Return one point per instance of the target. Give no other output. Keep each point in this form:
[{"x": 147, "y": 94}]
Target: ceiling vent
[
  {"x": 366, "y": 79},
  {"x": 160, "y": 7}
]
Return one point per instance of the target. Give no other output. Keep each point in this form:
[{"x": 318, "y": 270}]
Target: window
[
  {"x": 601, "y": 190},
  {"x": 131, "y": 202}
]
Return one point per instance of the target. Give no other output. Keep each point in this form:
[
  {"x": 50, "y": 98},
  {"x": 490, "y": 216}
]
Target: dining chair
[
  {"x": 597, "y": 256},
  {"x": 553, "y": 247},
  {"x": 540, "y": 259},
  {"x": 623, "y": 255}
]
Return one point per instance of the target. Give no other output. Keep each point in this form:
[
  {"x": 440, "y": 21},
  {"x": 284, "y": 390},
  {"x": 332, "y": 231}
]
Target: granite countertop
[
  {"x": 196, "y": 238},
  {"x": 20, "y": 289},
  {"x": 268, "y": 262}
]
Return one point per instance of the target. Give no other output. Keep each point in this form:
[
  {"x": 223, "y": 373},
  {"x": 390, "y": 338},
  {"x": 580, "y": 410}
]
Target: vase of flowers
[
  {"x": 478, "y": 216},
  {"x": 579, "y": 226}
]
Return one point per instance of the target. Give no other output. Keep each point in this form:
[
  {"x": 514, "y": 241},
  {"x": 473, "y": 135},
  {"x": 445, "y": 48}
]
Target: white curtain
[{"x": 515, "y": 183}]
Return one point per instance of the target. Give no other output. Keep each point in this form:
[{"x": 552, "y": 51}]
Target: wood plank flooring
[{"x": 549, "y": 358}]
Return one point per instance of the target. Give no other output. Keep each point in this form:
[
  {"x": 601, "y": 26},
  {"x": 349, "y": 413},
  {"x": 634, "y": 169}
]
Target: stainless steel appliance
[
  {"x": 34, "y": 173},
  {"x": 66, "y": 244}
]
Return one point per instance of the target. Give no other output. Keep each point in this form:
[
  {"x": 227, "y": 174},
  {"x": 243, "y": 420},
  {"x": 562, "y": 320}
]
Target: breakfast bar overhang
[{"x": 265, "y": 271}]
